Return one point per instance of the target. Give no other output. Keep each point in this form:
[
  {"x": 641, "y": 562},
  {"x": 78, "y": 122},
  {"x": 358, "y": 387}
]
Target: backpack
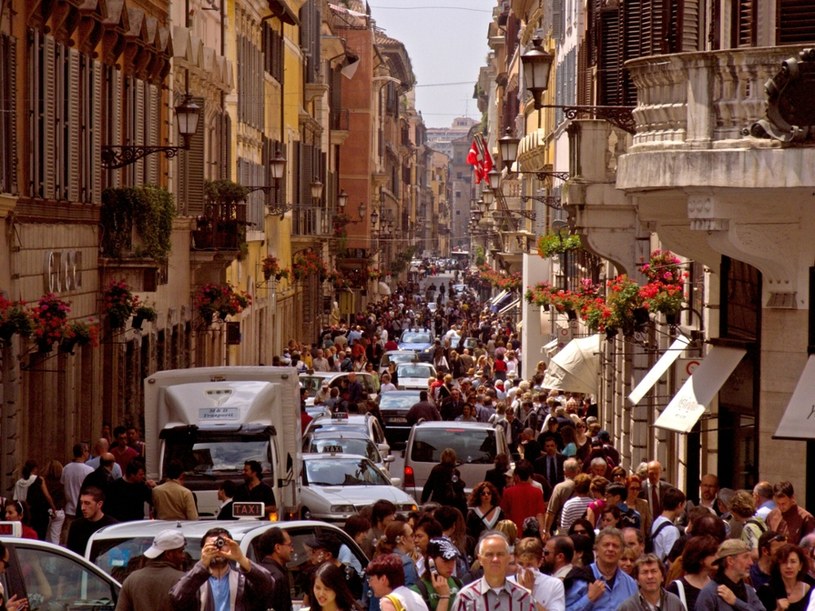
[
  {"x": 649, "y": 540},
  {"x": 760, "y": 523}
]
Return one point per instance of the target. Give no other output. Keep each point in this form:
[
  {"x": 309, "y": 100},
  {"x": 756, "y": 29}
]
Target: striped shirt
[
  {"x": 573, "y": 510},
  {"x": 479, "y": 596}
]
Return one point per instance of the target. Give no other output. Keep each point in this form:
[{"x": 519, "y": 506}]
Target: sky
[{"x": 447, "y": 44}]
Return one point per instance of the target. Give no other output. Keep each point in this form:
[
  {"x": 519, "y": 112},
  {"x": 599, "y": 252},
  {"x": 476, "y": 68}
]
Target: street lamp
[
  {"x": 316, "y": 188},
  {"x": 187, "y": 115},
  {"x": 342, "y": 200},
  {"x": 508, "y": 145},
  {"x": 537, "y": 63}
]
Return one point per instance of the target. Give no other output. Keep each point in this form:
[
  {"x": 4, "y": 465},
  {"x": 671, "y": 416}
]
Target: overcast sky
[{"x": 447, "y": 43}]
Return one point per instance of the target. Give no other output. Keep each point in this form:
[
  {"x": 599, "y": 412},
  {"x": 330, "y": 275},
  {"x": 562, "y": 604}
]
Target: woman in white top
[{"x": 386, "y": 384}]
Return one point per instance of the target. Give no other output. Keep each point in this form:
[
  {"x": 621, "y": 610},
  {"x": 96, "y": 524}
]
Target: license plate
[{"x": 398, "y": 420}]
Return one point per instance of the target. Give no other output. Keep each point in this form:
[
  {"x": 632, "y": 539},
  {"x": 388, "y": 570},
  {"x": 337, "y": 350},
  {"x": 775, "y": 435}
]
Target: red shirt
[
  {"x": 522, "y": 501},
  {"x": 304, "y": 420}
]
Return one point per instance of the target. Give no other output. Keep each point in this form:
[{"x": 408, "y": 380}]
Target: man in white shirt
[
  {"x": 664, "y": 533},
  {"x": 73, "y": 474},
  {"x": 546, "y": 590}
]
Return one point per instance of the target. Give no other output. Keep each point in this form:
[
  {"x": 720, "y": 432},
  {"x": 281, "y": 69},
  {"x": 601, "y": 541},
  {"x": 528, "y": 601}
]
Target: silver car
[{"x": 336, "y": 486}]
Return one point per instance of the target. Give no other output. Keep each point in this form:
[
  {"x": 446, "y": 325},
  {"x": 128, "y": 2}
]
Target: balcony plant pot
[
  {"x": 207, "y": 315},
  {"x": 571, "y": 314},
  {"x": 672, "y": 318},
  {"x": 66, "y": 346},
  {"x": 641, "y": 317},
  {"x": 611, "y": 333},
  {"x": 116, "y": 320},
  {"x": 137, "y": 322}
]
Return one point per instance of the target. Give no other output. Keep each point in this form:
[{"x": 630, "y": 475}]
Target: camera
[{"x": 219, "y": 542}]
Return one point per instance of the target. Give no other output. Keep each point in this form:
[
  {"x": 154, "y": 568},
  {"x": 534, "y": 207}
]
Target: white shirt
[
  {"x": 412, "y": 601},
  {"x": 73, "y": 474},
  {"x": 387, "y": 387},
  {"x": 666, "y": 538},
  {"x": 548, "y": 591}
]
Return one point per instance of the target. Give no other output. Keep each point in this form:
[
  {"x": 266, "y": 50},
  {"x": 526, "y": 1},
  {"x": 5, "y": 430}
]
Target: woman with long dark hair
[
  {"x": 697, "y": 563},
  {"x": 788, "y": 589},
  {"x": 329, "y": 590},
  {"x": 484, "y": 509},
  {"x": 32, "y": 489},
  {"x": 444, "y": 484},
  {"x": 18, "y": 511}
]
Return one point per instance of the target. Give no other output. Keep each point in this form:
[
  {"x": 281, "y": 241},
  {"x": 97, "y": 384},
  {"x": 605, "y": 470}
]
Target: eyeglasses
[{"x": 486, "y": 493}]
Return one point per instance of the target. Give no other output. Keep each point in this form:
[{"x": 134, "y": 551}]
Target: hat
[
  {"x": 326, "y": 541},
  {"x": 443, "y": 547},
  {"x": 730, "y": 547},
  {"x": 325, "y": 384},
  {"x": 165, "y": 541}
]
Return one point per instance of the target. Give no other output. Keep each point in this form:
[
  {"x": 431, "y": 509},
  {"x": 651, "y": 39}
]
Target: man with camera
[{"x": 224, "y": 578}]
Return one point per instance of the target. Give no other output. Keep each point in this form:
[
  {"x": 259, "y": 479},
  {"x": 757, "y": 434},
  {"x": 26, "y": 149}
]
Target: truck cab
[{"x": 214, "y": 419}]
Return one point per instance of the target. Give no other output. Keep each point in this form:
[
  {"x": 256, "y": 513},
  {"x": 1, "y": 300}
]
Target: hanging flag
[{"x": 479, "y": 157}]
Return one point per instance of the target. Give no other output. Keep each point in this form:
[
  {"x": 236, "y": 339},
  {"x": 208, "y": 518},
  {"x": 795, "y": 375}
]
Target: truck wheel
[{"x": 305, "y": 513}]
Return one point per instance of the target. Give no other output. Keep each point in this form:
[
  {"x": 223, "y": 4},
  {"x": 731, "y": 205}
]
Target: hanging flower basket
[
  {"x": 118, "y": 303},
  {"x": 15, "y": 318},
  {"x": 143, "y": 313},
  {"x": 50, "y": 317},
  {"x": 220, "y": 298}
]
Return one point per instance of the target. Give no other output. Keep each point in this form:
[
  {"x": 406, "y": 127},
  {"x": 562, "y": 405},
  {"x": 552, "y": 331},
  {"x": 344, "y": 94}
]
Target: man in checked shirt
[{"x": 493, "y": 592}]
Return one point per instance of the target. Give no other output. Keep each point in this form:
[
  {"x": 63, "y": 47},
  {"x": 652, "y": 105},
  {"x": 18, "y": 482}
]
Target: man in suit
[
  {"x": 550, "y": 463},
  {"x": 653, "y": 488}
]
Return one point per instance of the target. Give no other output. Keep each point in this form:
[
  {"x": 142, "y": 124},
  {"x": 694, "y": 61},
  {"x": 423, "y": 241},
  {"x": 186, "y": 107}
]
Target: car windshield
[
  {"x": 399, "y": 357},
  {"x": 342, "y": 472},
  {"x": 415, "y": 337},
  {"x": 390, "y": 400},
  {"x": 344, "y": 445},
  {"x": 471, "y": 445},
  {"x": 311, "y": 384},
  {"x": 414, "y": 370},
  {"x": 204, "y": 454},
  {"x": 326, "y": 424},
  {"x": 120, "y": 557}
]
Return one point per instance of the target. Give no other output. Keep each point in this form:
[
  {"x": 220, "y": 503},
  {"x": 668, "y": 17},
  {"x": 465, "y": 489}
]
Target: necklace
[{"x": 791, "y": 591}]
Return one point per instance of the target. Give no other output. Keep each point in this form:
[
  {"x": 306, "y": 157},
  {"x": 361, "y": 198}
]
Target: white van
[{"x": 476, "y": 445}]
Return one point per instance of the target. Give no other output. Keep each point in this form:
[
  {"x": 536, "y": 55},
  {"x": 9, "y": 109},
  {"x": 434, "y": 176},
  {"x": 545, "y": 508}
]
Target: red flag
[{"x": 479, "y": 157}]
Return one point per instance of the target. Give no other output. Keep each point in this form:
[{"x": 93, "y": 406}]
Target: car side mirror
[
  {"x": 396, "y": 481},
  {"x": 388, "y": 458}
]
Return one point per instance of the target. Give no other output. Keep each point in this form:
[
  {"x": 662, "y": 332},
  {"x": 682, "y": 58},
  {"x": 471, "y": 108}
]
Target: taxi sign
[
  {"x": 332, "y": 449},
  {"x": 248, "y": 509},
  {"x": 11, "y": 529},
  {"x": 339, "y": 415}
]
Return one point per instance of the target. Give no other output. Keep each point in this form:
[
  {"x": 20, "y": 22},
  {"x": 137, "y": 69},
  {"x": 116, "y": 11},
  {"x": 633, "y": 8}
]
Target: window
[{"x": 8, "y": 128}]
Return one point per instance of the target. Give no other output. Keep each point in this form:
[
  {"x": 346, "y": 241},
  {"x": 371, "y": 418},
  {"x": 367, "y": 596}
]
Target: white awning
[
  {"x": 513, "y": 304},
  {"x": 690, "y": 402},
  {"x": 384, "y": 289},
  {"x": 498, "y": 298},
  {"x": 798, "y": 421},
  {"x": 659, "y": 368},
  {"x": 576, "y": 368}
]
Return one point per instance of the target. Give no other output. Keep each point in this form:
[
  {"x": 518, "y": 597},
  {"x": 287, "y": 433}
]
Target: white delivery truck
[{"x": 214, "y": 419}]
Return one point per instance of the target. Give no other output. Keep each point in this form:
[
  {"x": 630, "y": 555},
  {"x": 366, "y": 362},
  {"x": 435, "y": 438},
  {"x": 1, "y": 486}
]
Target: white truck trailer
[{"x": 214, "y": 419}]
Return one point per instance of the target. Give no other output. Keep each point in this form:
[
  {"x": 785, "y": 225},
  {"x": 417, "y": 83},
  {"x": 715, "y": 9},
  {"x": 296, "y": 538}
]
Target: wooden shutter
[
  {"x": 557, "y": 19},
  {"x": 73, "y": 171},
  {"x": 95, "y": 125},
  {"x": 117, "y": 102},
  {"x": 609, "y": 58},
  {"x": 584, "y": 76},
  {"x": 153, "y": 127},
  {"x": 8, "y": 114},
  {"x": 191, "y": 168},
  {"x": 138, "y": 136},
  {"x": 796, "y": 22},
  {"x": 690, "y": 37},
  {"x": 49, "y": 119}
]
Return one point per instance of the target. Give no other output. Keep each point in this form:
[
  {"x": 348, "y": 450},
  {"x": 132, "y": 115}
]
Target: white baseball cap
[{"x": 165, "y": 541}]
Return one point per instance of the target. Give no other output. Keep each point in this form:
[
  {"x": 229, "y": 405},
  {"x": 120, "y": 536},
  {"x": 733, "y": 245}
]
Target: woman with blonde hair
[{"x": 398, "y": 539}]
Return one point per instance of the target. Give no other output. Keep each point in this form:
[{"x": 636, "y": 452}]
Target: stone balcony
[
  {"x": 705, "y": 186},
  {"x": 702, "y": 99}
]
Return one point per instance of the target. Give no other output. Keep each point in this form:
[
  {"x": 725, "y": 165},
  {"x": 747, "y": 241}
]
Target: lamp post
[
  {"x": 277, "y": 169},
  {"x": 187, "y": 116},
  {"x": 537, "y": 64}
]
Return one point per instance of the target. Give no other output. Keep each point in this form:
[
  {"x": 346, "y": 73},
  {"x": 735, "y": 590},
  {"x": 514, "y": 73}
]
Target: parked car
[
  {"x": 52, "y": 577},
  {"x": 118, "y": 549},
  {"x": 362, "y": 423},
  {"x": 346, "y": 442},
  {"x": 476, "y": 444},
  {"x": 396, "y": 356},
  {"x": 414, "y": 375},
  {"x": 394, "y": 406},
  {"x": 335, "y": 486}
]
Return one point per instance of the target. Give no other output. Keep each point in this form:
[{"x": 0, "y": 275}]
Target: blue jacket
[{"x": 577, "y": 598}]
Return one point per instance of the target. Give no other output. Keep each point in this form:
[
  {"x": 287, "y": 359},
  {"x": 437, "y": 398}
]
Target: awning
[
  {"x": 498, "y": 297},
  {"x": 576, "y": 368},
  {"x": 281, "y": 10},
  {"x": 690, "y": 402},
  {"x": 500, "y": 304},
  {"x": 384, "y": 289},
  {"x": 798, "y": 421},
  {"x": 659, "y": 368},
  {"x": 513, "y": 304}
]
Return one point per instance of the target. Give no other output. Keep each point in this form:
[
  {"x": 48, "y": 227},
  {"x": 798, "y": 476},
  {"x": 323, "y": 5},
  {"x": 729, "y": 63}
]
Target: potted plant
[
  {"x": 118, "y": 303},
  {"x": 221, "y": 298},
  {"x": 271, "y": 267},
  {"x": 627, "y": 305},
  {"x": 539, "y": 295},
  {"x": 142, "y": 313},
  {"x": 14, "y": 318},
  {"x": 79, "y": 333},
  {"x": 552, "y": 244},
  {"x": 49, "y": 316}
]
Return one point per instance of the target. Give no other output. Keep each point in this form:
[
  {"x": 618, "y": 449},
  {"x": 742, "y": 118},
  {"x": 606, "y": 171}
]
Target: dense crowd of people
[{"x": 558, "y": 523}]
